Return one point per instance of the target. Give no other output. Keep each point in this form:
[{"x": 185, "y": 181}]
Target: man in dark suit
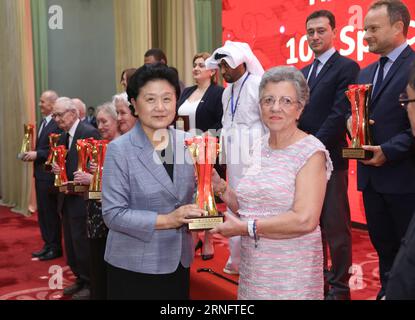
[
  {"x": 48, "y": 216},
  {"x": 155, "y": 55},
  {"x": 388, "y": 179},
  {"x": 74, "y": 206},
  {"x": 401, "y": 280},
  {"x": 91, "y": 119},
  {"x": 80, "y": 105},
  {"x": 328, "y": 78}
]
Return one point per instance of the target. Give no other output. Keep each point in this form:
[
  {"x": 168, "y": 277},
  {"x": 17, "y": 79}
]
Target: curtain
[
  {"x": 132, "y": 34},
  {"x": 17, "y": 100},
  {"x": 217, "y": 23},
  {"x": 40, "y": 49},
  {"x": 204, "y": 29},
  {"x": 208, "y": 24},
  {"x": 175, "y": 33}
]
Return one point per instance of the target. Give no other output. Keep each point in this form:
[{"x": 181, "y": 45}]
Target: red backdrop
[{"x": 275, "y": 30}]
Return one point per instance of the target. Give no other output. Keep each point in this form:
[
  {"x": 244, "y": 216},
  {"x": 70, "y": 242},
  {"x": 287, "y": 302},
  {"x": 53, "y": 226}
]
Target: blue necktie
[
  {"x": 379, "y": 79},
  {"x": 313, "y": 74}
]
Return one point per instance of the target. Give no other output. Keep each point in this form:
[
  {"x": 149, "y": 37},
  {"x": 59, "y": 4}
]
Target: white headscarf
[{"x": 236, "y": 54}]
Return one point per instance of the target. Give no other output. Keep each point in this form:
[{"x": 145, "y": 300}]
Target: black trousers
[
  {"x": 401, "y": 282},
  {"x": 76, "y": 244},
  {"x": 128, "y": 285},
  {"x": 98, "y": 274},
  {"x": 336, "y": 232},
  {"x": 48, "y": 215},
  {"x": 388, "y": 217}
]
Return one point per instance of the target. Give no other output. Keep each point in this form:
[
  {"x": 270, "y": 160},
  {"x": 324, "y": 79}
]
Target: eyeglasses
[
  {"x": 404, "y": 100},
  {"x": 59, "y": 114},
  {"x": 284, "y": 102}
]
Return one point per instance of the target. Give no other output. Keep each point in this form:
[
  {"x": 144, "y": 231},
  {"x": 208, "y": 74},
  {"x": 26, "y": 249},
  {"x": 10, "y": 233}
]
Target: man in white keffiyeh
[{"x": 241, "y": 120}]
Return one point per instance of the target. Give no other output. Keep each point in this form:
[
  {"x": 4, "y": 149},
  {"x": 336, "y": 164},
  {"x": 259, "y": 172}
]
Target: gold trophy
[
  {"x": 359, "y": 97},
  {"x": 59, "y": 156},
  {"x": 53, "y": 142},
  {"x": 82, "y": 148},
  {"x": 97, "y": 155},
  {"x": 204, "y": 151},
  {"x": 27, "y": 143}
]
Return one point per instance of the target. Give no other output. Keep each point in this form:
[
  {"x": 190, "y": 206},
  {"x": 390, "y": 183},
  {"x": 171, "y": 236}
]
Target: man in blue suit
[
  {"x": 47, "y": 203},
  {"x": 388, "y": 179},
  {"x": 328, "y": 78}
]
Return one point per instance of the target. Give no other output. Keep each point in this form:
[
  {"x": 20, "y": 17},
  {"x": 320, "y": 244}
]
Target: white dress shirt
[
  {"x": 189, "y": 109},
  {"x": 240, "y": 133},
  {"x": 323, "y": 60},
  {"x": 72, "y": 132},
  {"x": 392, "y": 56}
]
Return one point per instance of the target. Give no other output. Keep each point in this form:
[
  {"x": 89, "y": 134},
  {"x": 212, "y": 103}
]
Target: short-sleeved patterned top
[{"x": 279, "y": 269}]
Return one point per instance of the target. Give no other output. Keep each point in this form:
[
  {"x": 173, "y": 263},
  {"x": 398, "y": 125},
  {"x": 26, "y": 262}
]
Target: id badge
[{"x": 232, "y": 132}]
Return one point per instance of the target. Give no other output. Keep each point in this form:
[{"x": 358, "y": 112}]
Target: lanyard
[{"x": 234, "y": 106}]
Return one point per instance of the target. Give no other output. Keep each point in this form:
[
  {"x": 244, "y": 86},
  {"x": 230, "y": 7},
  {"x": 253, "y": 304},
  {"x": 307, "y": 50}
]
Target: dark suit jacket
[
  {"x": 42, "y": 149},
  {"x": 401, "y": 283},
  {"x": 324, "y": 116},
  {"x": 83, "y": 131},
  {"x": 209, "y": 111},
  {"x": 391, "y": 131},
  {"x": 93, "y": 121}
]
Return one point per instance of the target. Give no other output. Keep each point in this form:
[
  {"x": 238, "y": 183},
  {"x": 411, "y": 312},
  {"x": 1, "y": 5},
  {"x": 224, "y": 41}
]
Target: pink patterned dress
[{"x": 279, "y": 269}]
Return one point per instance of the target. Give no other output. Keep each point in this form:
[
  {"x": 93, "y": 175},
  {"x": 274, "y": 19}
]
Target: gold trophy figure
[
  {"x": 359, "y": 97},
  {"x": 53, "y": 142},
  {"x": 82, "y": 148},
  {"x": 59, "y": 156},
  {"x": 97, "y": 155},
  {"x": 204, "y": 151},
  {"x": 27, "y": 143}
]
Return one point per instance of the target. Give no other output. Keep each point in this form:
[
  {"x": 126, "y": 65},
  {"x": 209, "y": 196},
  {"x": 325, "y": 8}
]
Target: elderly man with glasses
[{"x": 77, "y": 250}]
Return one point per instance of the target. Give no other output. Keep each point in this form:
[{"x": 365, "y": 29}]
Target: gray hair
[
  {"x": 122, "y": 97},
  {"x": 51, "y": 95},
  {"x": 108, "y": 108},
  {"x": 68, "y": 104},
  {"x": 288, "y": 74},
  {"x": 80, "y": 105}
]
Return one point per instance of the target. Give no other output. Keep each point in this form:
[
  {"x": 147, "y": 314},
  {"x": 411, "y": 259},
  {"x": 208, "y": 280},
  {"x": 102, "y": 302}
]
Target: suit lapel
[
  {"x": 180, "y": 154},
  {"x": 394, "y": 68},
  {"x": 306, "y": 71},
  {"x": 46, "y": 129},
  {"x": 149, "y": 159},
  {"x": 325, "y": 68},
  {"x": 76, "y": 136}
]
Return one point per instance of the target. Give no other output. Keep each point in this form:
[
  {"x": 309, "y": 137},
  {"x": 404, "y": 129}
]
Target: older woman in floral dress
[{"x": 279, "y": 200}]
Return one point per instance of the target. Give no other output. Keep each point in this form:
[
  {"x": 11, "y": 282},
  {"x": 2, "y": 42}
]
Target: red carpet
[{"x": 23, "y": 278}]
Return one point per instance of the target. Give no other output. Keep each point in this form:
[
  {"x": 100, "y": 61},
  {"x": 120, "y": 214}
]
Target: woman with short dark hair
[{"x": 148, "y": 187}]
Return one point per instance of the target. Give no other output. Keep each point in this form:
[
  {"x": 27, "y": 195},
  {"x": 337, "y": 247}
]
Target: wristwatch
[{"x": 251, "y": 228}]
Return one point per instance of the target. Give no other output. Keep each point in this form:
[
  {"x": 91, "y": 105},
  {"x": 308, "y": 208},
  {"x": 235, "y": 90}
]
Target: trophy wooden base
[
  {"x": 205, "y": 223},
  {"x": 20, "y": 155},
  {"x": 92, "y": 195},
  {"x": 356, "y": 153},
  {"x": 70, "y": 187}
]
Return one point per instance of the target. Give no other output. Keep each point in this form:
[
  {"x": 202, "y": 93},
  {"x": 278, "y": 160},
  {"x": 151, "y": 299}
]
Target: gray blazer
[{"x": 135, "y": 189}]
